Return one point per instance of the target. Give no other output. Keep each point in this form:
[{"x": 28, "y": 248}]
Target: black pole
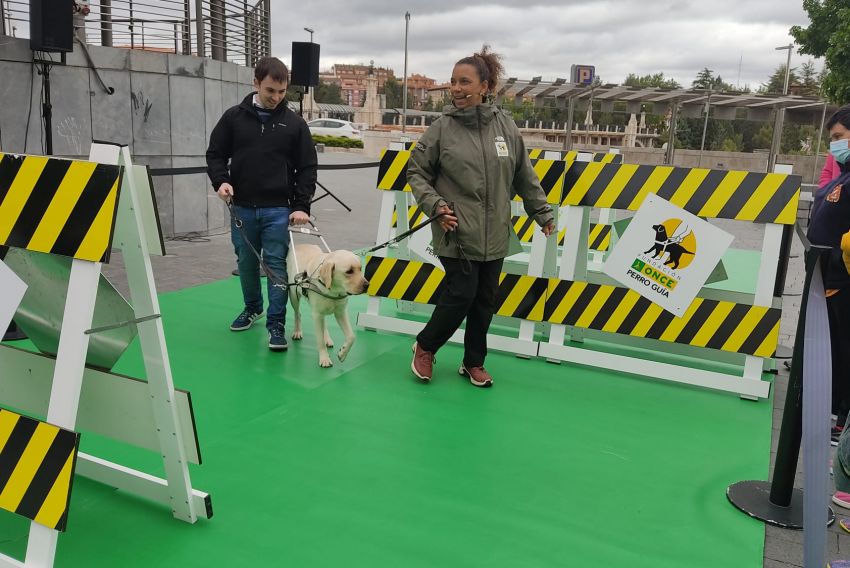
[
  {"x": 778, "y": 502},
  {"x": 791, "y": 430},
  {"x": 782, "y": 265},
  {"x": 327, "y": 193},
  {"x": 47, "y": 111}
]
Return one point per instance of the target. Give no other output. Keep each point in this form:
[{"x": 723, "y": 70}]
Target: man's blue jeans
[{"x": 267, "y": 230}]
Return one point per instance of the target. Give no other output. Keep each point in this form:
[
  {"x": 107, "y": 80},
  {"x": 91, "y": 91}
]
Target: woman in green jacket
[{"x": 468, "y": 166}]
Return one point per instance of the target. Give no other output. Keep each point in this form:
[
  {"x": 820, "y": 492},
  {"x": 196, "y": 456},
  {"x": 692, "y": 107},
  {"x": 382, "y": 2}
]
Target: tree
[
  {"x": 828, "y": 36},
  {"x": 328, "y": 93},
  {"x": 654, "y": 80},
  {"x": 393, "y": 89},
  {"x": 706, "y": 80},
  {"x": 776, "y": 83},
  {"x": 734, "y": 143},
  {"x": 294, "y": 92},
  {"x": 437, "y": 104},
  {"x": 764, "y": 137},
  {"x": 809, "y": 79}
]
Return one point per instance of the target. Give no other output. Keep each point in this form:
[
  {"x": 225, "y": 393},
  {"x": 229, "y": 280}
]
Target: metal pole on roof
[
  {"x": 817, "y": 146},
  {"x": 780, "y": 114},
  {"x": 199, "y": 27},
  {"x": 671, "y": 134},
  {"x": 568, "y": 128},
  {"x": 404, "y": 86},
  {"x": 704, "y": 127}
]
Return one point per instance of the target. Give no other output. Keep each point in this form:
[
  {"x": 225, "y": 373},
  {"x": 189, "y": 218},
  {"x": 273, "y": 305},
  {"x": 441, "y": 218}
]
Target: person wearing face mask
[
  {"x": 830, "y": 226},
  {"x": 261, "y": 158},
  {"x": 467, "y": 167}
]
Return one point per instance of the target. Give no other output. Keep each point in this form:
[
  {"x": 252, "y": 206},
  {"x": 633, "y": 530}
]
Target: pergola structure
[{"x": 689, "y": 102}]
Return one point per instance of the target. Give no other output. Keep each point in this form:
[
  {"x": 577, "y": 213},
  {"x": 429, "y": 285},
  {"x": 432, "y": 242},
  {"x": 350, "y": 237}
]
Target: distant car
[{"x": 334, "y": 127}]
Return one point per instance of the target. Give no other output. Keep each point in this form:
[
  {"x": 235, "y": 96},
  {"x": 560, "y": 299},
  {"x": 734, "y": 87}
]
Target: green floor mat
[{"x": 361, "y": 466}]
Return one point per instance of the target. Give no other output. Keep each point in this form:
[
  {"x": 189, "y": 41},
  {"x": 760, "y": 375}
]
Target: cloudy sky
[{"x": 544, "y": 37}]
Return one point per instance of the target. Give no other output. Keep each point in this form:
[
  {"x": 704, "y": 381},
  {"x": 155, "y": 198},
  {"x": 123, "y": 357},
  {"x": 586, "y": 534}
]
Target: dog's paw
[
  {"x": 329, "y": 343},
  {"x": 297, "y": 335},
  {"x": 343, "y": 353},
  {"x": 325, "y": 362}
]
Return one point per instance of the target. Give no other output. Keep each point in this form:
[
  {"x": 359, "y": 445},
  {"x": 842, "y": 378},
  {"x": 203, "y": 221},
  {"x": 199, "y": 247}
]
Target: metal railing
[{"x": 238, "y": 31}]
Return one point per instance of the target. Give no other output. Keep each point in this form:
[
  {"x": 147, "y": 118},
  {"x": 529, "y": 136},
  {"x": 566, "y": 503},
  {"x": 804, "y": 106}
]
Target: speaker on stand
[
  {"x": 51, "y": 30},
  {"x": 305, "y": 66}
]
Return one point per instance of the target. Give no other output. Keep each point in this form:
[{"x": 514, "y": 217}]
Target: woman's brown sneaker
[
  {"x": 423, "y": 363},
  {"x": 477, "y": 376}
]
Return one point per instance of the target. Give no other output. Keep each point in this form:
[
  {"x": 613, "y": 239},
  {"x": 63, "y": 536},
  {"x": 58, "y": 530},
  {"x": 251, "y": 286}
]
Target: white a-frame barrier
[{"x": 170, "y": 409}]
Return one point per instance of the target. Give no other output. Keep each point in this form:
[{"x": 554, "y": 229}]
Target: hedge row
[{"x": 337, "y": 141}]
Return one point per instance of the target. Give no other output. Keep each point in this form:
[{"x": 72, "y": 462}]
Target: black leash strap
[
  {"x": 266, "y": 270},
  {"x": 401, "y": 237}
]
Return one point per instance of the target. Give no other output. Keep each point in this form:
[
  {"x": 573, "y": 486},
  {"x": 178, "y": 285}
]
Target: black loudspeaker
[
  {"x": 305, "y": 64},
  {"x": 52, "y": 25}
]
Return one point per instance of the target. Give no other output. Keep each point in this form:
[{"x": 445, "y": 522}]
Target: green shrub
[{"x": 337, "y": 141}]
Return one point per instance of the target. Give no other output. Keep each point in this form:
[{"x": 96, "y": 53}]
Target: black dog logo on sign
[{"x": 670, "y": 245}]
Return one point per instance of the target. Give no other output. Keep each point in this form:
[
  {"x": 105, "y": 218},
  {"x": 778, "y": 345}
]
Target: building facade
[
  {"x": 418, "y": 87},
  {"x": 352, "y": 80}
]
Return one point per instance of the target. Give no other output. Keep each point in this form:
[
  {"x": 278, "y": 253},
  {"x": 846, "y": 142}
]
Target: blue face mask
[{"x": 840, "y": 150}]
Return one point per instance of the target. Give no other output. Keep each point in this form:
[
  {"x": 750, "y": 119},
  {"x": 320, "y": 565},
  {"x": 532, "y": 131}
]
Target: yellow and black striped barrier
[
  {"x": 392, "y": 170},
  {"x": 745, "y": 196},
  {"x": 519, "y": 296},
  {"x": 599, "y": 235},
  {"x": 415, "y": 215},
  {"x": 551, "y": 176},
  {"x": 57, "y": 206},
  {"x": 535, "y": 154},
  {"x": 36, "y": 468},
  {"x": 392, "y": 174},
  {"x": 712, "y": 324}
]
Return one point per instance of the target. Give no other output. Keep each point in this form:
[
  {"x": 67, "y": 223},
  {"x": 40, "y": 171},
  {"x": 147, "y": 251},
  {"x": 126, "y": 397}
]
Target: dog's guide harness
[{"x": 308, "y": 282}]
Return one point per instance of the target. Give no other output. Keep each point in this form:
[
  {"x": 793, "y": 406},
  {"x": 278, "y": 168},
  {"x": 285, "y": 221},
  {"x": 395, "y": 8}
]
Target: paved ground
[{"x": 202, "y": 259}]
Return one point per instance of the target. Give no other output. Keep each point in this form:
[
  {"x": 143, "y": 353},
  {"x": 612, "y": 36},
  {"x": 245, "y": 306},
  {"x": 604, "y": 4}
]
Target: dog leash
[
  {"x": 401, "y": 237},
  {"x": 302, "y": 280}
]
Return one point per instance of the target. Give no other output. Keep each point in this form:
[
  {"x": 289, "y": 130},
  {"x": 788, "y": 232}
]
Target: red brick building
[{"x": 352, "y": 80}]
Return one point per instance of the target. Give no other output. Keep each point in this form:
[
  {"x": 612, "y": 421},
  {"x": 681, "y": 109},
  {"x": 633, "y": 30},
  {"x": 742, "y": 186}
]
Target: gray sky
[{"x": 544, "y": 37}]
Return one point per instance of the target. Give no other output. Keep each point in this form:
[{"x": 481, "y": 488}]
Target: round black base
[{"x": 753, "y": 498}]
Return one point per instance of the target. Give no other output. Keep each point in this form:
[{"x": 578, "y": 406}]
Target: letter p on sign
[{"x": 583, "y": 74}]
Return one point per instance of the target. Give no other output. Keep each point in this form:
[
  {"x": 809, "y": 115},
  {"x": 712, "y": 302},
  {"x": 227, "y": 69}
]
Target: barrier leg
[
  {"x": 67, "y": 382},
  {"x": 155, "y": 354}
]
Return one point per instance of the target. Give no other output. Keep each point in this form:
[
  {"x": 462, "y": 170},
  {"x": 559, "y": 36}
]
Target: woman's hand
[
  {"x": 549, "y": 229},
  {"x": 448, "y": 221}
]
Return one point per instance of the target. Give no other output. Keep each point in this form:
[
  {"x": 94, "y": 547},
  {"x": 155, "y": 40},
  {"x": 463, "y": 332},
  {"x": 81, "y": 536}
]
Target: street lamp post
[
  {"x": 404, "y": 85},
  {"x": 780, "y": 113}
]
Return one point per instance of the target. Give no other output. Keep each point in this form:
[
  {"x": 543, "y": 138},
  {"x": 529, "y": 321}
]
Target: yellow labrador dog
[{"x": 337, "y": 274}]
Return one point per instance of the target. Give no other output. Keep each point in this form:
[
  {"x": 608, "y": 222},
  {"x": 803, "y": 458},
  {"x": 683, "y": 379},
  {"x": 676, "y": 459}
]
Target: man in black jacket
[{"x": 271, "y": 178}]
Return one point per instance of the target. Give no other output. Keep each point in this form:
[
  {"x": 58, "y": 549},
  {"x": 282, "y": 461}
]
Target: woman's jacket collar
[{"x": 485, "y": 112}]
